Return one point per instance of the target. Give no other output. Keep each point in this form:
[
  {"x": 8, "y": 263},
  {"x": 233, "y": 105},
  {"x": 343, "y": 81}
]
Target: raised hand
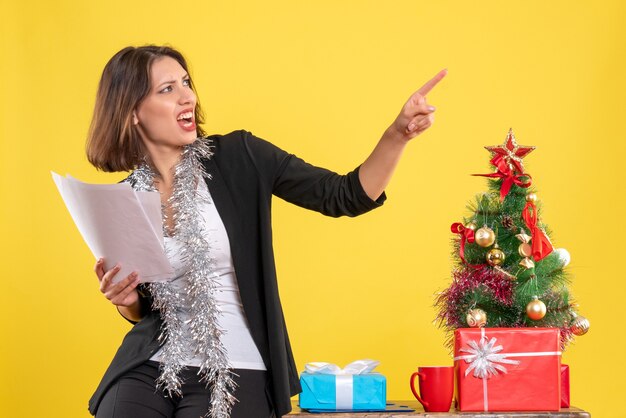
[{"x": 417, "y": 115}]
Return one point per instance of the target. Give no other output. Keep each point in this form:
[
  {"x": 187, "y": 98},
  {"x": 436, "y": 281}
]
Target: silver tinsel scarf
[{"x": 199, "y": 295}]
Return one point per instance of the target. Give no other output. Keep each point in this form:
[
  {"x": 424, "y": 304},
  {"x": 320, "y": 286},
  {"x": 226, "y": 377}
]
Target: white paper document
[{"x": 119, "y": 224}]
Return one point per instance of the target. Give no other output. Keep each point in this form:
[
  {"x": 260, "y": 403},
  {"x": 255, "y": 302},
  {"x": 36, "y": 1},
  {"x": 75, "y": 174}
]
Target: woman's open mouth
[{"x": 186, "y": 121}]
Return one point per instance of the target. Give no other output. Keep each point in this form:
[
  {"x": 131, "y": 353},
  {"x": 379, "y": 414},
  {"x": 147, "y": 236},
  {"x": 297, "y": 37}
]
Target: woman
[{"x": 213, "y": 340}]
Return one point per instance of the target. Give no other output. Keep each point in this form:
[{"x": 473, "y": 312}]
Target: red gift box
[
  {"x": 564, "y": 386},
  {"x": 508, "y": 369}
]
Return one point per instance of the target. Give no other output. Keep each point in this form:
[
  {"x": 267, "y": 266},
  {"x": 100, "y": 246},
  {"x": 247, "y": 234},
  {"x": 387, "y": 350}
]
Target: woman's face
[{"x": 165, "y": 118}]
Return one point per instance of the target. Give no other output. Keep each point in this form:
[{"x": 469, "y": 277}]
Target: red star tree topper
[{"x": 509, "y": 153}]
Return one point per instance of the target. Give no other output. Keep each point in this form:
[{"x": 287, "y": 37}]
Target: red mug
[{"x": 436, "y": 387}]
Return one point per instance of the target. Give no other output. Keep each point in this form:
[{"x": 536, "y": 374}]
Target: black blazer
[{"x": 246, "y": 171}]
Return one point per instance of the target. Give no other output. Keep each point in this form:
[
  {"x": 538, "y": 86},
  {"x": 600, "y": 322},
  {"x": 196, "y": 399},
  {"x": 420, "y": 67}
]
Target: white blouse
[{"x": 241, "y": 350}]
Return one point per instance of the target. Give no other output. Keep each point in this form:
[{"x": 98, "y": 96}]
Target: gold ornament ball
[
  {"x": 531, "y": 197},
  {"x": 476, "y": 318},
  {"x": 495, "y": 257},
  {"x": 580, "y": 326},
  {"x": 471, "y": 226},
  {"x": 536, "y": 309},
  {"x": 485, "y": 237}
]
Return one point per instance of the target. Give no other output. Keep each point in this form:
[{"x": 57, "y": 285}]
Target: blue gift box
[{"x": 321, "y": 391}]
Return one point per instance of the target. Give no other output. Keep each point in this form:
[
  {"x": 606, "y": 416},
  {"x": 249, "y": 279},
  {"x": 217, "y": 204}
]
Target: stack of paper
[{"x": 119, "y": 224}]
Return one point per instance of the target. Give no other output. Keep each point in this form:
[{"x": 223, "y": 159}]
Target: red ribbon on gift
[
  {"x": 508, "y": 176},
  {"x": 466, "y": 235},
  {"x": 541, "y": 245}
]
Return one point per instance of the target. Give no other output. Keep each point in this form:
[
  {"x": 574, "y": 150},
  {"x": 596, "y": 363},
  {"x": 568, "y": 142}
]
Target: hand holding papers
[{"x": 119, "y": 224}]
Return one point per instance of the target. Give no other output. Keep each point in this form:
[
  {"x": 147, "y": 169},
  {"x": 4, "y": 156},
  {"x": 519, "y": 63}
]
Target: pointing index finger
[{"x": 426, "y": 88}]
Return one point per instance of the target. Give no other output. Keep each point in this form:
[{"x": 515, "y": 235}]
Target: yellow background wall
[{"x": 322, "y": 79}]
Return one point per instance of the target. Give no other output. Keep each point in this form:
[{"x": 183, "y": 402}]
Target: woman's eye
[
  {"x": 187, "y": 82},
  {"x": 166, "y": 89}
]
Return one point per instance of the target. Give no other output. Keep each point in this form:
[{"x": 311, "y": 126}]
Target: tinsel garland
[
  {"x": 199, "y": 295},
  {"x": 452, "y": 303}
]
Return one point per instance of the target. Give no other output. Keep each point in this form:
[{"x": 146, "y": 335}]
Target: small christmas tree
[{"x": 507, "y": 272}]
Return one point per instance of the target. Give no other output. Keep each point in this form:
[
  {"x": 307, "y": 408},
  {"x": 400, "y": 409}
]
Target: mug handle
[{"x": 417, "y": 396}]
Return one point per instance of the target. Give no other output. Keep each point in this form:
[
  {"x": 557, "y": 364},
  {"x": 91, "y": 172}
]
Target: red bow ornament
[
  {"x": 541, "y": 245},
  {"x": 467, "y": 235},
  {"x": 508, "y": 176}
]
